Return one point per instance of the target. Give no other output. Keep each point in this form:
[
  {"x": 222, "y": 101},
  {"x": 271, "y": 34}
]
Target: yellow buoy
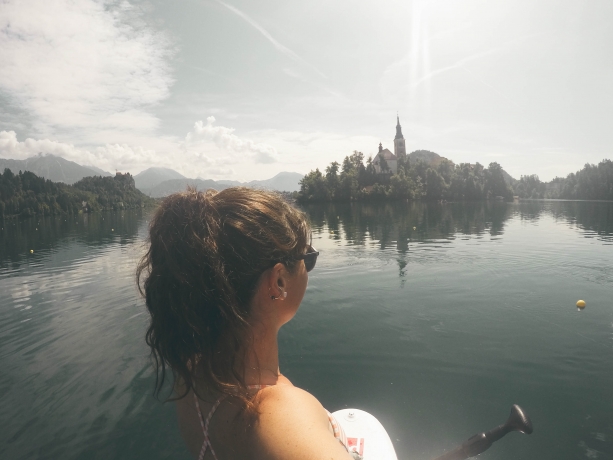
[
  {"x": 414, "y": 228},
  {"x": 580, "y": 303},
  {"x": 31, "y": 251}
]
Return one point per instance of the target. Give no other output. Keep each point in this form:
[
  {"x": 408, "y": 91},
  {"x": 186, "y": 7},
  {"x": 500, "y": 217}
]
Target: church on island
[{"x": 386, "y": 162}]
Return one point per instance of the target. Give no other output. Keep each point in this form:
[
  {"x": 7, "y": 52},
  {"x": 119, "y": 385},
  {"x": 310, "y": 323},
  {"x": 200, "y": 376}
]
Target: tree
[
  {"x": 401, "y": 186},
  {"x": 435, "y": 185},
  {"x": 495, "y": 184},
  {"x": 25, "y": 194},
  {"x": 332, "y": 177},
  {"x": 313, "y": 187},
  {"x": 383, "y": 164},
  {"x": 370, "y": 173}
]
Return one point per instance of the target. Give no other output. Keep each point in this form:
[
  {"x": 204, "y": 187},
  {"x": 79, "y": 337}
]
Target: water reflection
[
  {"x": 45, "y": 234},
  {"x": 487, "y": 319},
  {"x": 396, "y": 224},
  {"x": 71, "y": 342}
]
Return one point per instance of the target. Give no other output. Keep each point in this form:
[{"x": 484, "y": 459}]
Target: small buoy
[
  {"x": 580, "y": 303},
  {"x": 414, "y": 228},
  {"x": 31, "y": 251},
  {"x": 112, "y": 229}
]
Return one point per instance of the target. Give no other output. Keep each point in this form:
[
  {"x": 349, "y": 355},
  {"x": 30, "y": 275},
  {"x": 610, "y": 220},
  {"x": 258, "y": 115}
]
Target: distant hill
[
  {"x": 152, "y": 177},
  {"x": 231, "y": 183},
  {"x": 179, "y": 185},
  {"x": 282, "y": 182},
  {"x": 433, "y": 159},
  {"x": 508, "y": 179},
  {"x": 101, "y": 172},
  {"x": 53, "y": 168},
  {"x": 25, "y": 194}
]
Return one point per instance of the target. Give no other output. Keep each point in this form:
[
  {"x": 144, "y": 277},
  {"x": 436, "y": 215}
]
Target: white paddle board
[{"x": 365, "y": 435}]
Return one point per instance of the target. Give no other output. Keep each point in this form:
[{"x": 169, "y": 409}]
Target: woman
[{"x": 224, "y": 271}]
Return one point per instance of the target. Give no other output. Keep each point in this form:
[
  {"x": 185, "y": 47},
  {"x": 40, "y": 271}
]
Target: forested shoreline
[
  {"x": 593, "y": 182},
  {"x": 356, "y": 180},
  {"x": 25, "y": 194}
]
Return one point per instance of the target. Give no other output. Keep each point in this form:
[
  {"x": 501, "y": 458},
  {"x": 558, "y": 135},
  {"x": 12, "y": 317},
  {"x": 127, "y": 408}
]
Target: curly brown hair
[{"x": 206, "y": 254}]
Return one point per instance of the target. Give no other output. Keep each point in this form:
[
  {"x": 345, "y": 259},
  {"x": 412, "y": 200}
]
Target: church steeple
[
  {"x": 399, "y": 148},
  {"x": 398, "y": 128}
]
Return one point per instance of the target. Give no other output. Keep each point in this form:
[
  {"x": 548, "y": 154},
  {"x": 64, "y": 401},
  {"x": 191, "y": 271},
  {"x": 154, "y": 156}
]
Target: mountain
[
  {"x": 282, "y": 182},
  {"x": 150, "y": 178},
  {"x": 101, "y": 172},
  {"x": 169, "y": 187},
  {"x": 230, "y": 183},
  {"x": 52, "y": 167}
]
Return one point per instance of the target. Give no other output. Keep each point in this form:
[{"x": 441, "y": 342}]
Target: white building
[
  {"x": 390, "y": 163},
  {"x": 386, "y": 162}
]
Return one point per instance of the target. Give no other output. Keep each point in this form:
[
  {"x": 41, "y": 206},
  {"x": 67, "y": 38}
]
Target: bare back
[{"x": 291, "y": 424}]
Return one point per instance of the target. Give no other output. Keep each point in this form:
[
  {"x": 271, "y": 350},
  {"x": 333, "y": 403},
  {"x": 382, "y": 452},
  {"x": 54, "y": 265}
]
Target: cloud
[
  {"x": 281, "y": 48},
  {"x": 77, "y": 66},
  {"x": 207, "y": 150},
  {"x": 226, "y": 140},
  {"x": 108, "y": 157}
]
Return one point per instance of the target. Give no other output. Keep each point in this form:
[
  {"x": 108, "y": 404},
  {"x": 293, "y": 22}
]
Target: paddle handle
[
  {"x": 518, "y": 421},
  {"x": 473, "y": 446}
]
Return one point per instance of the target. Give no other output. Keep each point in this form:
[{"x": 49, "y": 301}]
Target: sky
[{"x": 242, "y": 90}]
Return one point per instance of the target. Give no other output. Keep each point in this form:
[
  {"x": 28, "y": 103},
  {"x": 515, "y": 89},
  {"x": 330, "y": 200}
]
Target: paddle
[{"x": 517, "y": 421}]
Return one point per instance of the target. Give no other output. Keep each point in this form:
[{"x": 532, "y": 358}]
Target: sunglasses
[{"x": 309, "y": 258}]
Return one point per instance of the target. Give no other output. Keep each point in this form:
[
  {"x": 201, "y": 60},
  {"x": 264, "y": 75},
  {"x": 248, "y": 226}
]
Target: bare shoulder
[{"x": 292, "y": 423}]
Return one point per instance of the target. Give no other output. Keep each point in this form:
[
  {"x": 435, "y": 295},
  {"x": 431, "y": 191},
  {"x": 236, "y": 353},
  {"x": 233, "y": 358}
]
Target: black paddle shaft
[{"x": 517, "y": 421}]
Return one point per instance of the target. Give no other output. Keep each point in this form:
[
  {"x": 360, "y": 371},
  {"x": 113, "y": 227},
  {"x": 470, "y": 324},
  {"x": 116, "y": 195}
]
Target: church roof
[{"x": 386, "y": 154}]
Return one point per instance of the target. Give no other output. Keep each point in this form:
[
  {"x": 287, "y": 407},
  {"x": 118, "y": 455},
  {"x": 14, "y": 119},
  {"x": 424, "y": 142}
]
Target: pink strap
[
  {"x": 205, "y": 426},
  {"x": 337, "y": 430}
]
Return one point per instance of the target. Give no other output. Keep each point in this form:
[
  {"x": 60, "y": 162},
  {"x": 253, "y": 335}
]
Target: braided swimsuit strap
[
  {"x": 205, "y": 426},
  {"x": 259, "y": 387}
]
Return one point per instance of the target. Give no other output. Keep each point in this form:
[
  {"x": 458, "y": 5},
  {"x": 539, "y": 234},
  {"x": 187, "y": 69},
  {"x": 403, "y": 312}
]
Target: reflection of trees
[
  {"x": 590, "y": 216},
  {"x": 594, "y": 217},
  {"x": 393, "y": 224},
  {"x": 42, "y": 234}
]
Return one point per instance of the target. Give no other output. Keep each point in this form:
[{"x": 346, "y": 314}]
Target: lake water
[{"x": 436, "y": 318}]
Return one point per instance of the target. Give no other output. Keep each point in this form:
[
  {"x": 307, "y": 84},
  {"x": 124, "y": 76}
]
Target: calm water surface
[{"x": 435, "y": 318}]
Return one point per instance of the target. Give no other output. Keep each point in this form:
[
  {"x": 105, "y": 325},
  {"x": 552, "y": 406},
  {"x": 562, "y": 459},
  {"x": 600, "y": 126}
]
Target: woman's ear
[{"x": 278, "y": 282}]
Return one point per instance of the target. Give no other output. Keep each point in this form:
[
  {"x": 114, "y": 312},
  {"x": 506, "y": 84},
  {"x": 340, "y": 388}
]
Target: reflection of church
[{"x": 391, "y": 159}]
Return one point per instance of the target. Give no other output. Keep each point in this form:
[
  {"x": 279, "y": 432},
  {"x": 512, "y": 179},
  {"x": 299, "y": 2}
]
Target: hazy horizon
[{"x": 242, "y": 91}]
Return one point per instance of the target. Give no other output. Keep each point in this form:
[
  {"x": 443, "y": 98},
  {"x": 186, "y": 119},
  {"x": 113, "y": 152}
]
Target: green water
[{"x": 435, "y": 318}]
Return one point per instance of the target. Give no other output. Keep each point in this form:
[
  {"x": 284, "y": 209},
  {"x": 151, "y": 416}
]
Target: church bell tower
[{"x": 399, "y": 148}]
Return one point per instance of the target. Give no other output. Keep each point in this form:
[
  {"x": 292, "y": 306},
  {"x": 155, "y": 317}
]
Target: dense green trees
[
  {"x": 530, "y": 187},
  {"x": 445, "y": 181},
  {"x": 448, "y": 181},
  {"x": 25, "y": 194},
  {"x": 593, "y": 182}
]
